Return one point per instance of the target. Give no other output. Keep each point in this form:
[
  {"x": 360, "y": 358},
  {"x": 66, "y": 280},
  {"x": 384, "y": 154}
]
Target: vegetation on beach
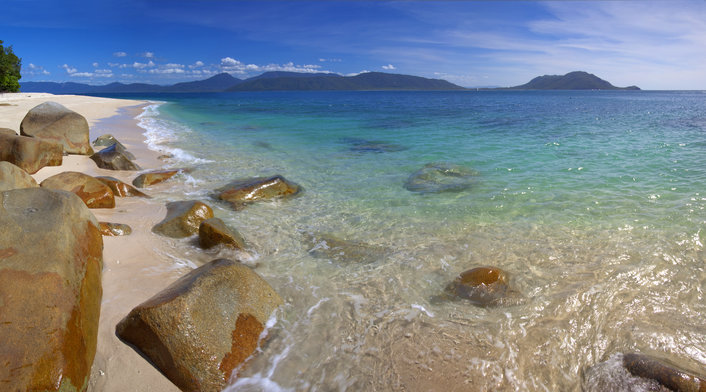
[{"x": 10, "y": 66}]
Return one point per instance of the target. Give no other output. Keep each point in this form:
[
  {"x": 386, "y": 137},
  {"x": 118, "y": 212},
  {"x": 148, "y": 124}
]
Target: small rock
[
  {"x": 154, "y": 177},
  {"x": 665, "y": 374},
  {"x": 114, "y": 229},
  {"x": 53, "y": 121},
  {"x": 203, "y": 326},
  {"x": 93, "y": 192},
  {"x": 214, "y": 232},
  {"x": 183, "y": 218},
  {"x": 245, "y": 191},
  {"x": 119, "y": 188},
  {"x": 12, "y": 177},
  {"x": 340, "y": 250},
  {"x": 112, "y": 159},
  {"x": 441, "y": 177},
  {"x": 484, "y": 286}
]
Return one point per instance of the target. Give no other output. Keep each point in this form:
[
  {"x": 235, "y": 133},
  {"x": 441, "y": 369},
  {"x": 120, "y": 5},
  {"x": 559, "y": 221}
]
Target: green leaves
[{"x": 10, "y": 66}]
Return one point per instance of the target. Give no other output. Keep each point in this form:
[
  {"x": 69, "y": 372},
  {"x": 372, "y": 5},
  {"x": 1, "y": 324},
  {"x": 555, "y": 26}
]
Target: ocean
[{"x": 593, "y": 203}]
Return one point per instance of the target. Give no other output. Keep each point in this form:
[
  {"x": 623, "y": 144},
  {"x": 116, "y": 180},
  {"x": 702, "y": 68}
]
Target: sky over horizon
[{"x": 652, "y": 44}]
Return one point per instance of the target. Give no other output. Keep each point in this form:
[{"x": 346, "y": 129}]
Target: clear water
[{"x": 593, "y": 202}]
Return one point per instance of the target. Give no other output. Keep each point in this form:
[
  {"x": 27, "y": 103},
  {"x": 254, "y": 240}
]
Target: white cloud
[
  {"x": 119, "y": 54},
  {"x": 35, "y": 70},
  {"x": 167, "y": 71},
  {"x": 148, "y": 55},
  {"x": 143, "y": 65},
  {"x": 197, "y": 64},
  {"x": 69, "y": 70},
  {"x": 95, "y": 65},
  {"x": 229, "y": 64},
  {"x": 388, "y": 67}
]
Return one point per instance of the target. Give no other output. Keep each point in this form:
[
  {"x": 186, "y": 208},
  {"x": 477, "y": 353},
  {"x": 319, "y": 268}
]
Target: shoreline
[{"x": 136, "y": 266}]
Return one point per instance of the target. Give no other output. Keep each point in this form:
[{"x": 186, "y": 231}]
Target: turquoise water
[{"x": 594, "y": 203}]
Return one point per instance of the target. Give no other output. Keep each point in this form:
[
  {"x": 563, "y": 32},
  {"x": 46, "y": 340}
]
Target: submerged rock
[
  {"x": 340, "y": 250},
  {"x": 54, "y": 122},
  {"x": 114, "y": 229},
  {"x": 213, "y": 232},
  {"x": 154, "y": 177},
  {"x": 183, "y": 218},
  {"x": 441, "y": 177},
  {"x": 12, "y": 177},
  {"x": 245, "y": 191},
  {"x": 28, "y": 153},
  {"x": 112, "y": 159},
  {"x": 51, "y": 256},
  {"x": 638, "y": 372},
  {"x": 93, "y": 192},
  {"x": 204, "y": 325},
  {"x": 483, "y": 286},
  {"x": 374, "y": 146},
  {"x": 119, "y": 188}
]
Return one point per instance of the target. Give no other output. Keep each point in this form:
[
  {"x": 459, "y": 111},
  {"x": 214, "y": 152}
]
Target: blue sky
[{"x": 652, "y": 44}]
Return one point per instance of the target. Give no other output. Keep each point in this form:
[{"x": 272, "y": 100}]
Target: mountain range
[{"x": 290, "y": 81}]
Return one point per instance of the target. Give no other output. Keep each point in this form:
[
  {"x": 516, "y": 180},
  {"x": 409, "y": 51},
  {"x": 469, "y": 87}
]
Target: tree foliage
[{"x": 10, "y": 66}]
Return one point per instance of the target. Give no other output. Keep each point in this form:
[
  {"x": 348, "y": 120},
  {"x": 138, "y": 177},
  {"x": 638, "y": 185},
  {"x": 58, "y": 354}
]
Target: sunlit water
[{"x": 593, "y": 202}]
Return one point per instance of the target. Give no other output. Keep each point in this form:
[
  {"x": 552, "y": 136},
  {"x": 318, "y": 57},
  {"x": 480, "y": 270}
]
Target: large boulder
[
  {"x": 108, "y": 140},
  {"x": 183, "y": 218},
  {"x": 93, "y": 192},
  {"x": 119, "y": 188},
  {"x": 441, "y": 177},
  {"x": 50, "y": 290},
  {"x": 28, "y": 153},
  {"x": 154, "y": 177},
  {"x": 8, "y": 132},
  {"x": 213, "y": 232},
  {"x": 245, "y": 191},
  {"x": 112, "y": 159},
  {"x": 12, "y": 177},
  {"x": 204, "y": 325},
  {"x": 483, "y": 286},
  {"x": 53, "y": 121}
]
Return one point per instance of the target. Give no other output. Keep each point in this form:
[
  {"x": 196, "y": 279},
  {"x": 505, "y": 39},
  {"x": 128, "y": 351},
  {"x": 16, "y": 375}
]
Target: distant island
[
  {"x": 577, "y": 80},
  {"x": 294, "y": 81}
]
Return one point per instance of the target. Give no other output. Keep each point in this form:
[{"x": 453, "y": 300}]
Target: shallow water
[{"x": 593, "y": 202}]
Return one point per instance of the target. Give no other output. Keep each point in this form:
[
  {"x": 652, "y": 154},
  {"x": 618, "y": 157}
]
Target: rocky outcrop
[
  {"x": 112, "y": 159},
  {"x": 119, "y": 188},
  {"x": 54, "y": 122},
  {"x": 93, "y": 192},
  {"x": 50, "y": 290},
  {"x": 483, "y": 286},
  {"x": 213, "y": 232},
  {"x": 114, "y": 229},
  {"x": 348, "y": 251},
  {"x": 154, "y": 177},
  {"x": 28, "y": 153},
  {"x": 441, "y": 177},
  {"x": 245, "y": 191},
  {"x": 12, "y": 177},
  {"x": 183, "y": 218},
  {"x": 196, "y": 347}
]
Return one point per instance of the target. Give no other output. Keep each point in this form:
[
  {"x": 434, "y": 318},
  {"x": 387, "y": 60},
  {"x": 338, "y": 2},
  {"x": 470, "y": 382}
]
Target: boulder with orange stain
[
  {"x": 204, "y": 325},
  {"x": 93, "y": 192},
  {"x": 50, "y": 290}
]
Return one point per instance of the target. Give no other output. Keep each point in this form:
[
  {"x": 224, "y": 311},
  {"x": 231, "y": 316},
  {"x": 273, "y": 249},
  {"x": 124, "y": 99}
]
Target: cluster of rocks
[{"x": 51, "y": 259}]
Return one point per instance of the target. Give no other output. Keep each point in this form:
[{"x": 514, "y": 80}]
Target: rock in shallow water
[
  {"x": 336, "y": 249},
  {"x": 245, "y": 191},
  {"x": 204, "y": 325},
  {"x": 183, "y": 218},
  {"x": 213, "y": 232},
  {"x": 54, "y": 122},
  {"x": 483, "y": 286},
  {"x": 441, "y": 177},
  {"x": 51, "y": 256}
]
